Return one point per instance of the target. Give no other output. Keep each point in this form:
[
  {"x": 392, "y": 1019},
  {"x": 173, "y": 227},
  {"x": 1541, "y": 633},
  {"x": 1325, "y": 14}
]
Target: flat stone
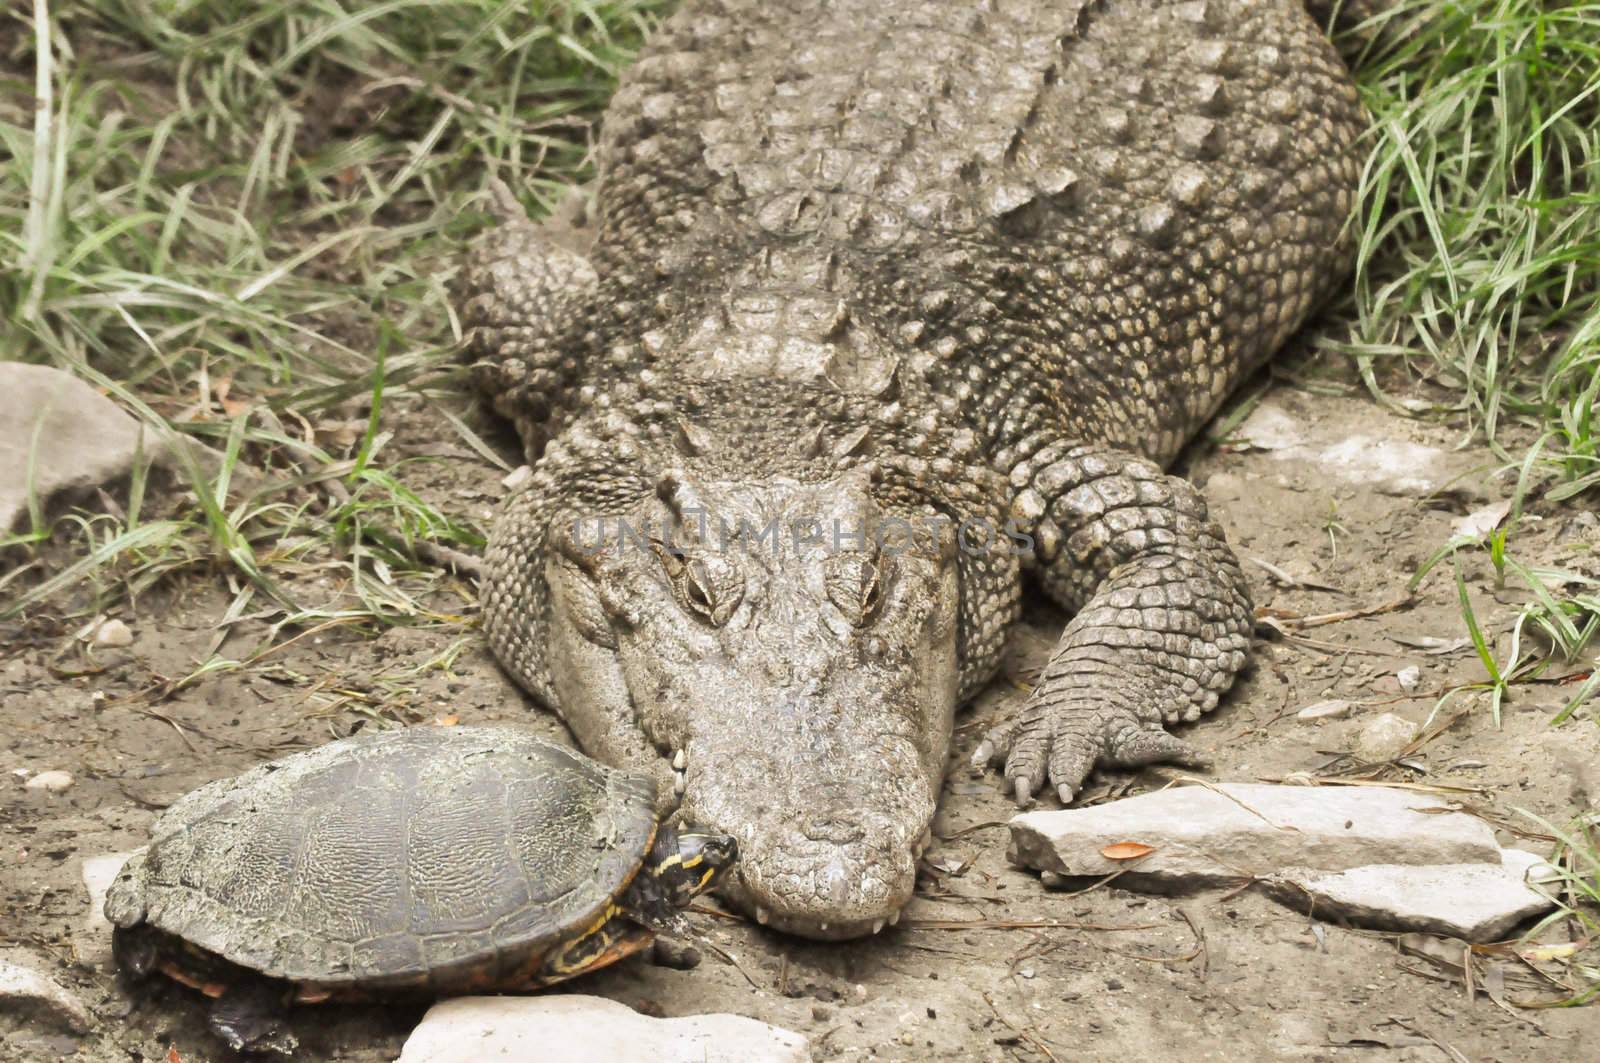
[
  {"x": 92, "y": 938},
  {"x": 1474, "y": 902},
  {"x": 573, "y": 1028},
  {"x": 1209, "y": 835},
  {"x": 27, "y": 989}
]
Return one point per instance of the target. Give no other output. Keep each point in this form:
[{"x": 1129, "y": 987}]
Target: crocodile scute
[{"x": 881, "y": 308}]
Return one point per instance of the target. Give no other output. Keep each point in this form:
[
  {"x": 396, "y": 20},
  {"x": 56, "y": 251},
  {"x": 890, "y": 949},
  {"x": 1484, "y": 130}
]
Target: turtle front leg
[
  {"x": 1162, "y": 627},
  {"x": 252, "y": 1017}
]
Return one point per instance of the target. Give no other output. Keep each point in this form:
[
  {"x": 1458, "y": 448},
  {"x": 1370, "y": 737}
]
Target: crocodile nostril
[{"x": 833, "y": 829}]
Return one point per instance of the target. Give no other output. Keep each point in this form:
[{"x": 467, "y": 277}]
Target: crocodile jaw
[{"x": 833, "y": 805}]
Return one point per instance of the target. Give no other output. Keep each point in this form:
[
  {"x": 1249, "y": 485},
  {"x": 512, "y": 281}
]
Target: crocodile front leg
[
  {"x": 521, "y": 289},
  {"x": 1162, "y": 626}
]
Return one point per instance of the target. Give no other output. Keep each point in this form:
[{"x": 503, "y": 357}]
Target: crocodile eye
[
  {"x": 709, "y": 588},
  {"x": 855, "y": 585}
]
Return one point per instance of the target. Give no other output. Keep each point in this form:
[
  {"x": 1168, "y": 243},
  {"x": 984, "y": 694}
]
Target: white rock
[
  {"x": 71, "y": 439},
  {"x": 23, "y": 987},
  {"x": 92, "y": 939},
  {"x": 1384, "y": 737},
  {"x": 1363, "y": 445},
  {"x": 1409, "y": 677},
  {"x": 1212, "y": 834},
  {"x": 517, "y": 477},
  {"x": 1475, "y": 902},
  {"x": 1324, "y": 710},
  {"x": 83, "y": 439},
  {"x": 53, "y": 782},
  {"x": 113, "y": 633},
  {"x": 572, "y": 1028}
]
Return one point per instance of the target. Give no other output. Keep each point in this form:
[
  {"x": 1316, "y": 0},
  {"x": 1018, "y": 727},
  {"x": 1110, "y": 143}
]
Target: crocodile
[{"x": 879, "y": 309}]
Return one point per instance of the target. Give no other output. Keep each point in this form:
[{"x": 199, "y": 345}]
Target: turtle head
[
  {"x": 684, "y": 862},
  {"x": 687, "y": 861}
]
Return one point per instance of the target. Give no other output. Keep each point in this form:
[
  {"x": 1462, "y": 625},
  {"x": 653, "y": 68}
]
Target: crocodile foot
[{"x": 1066, "y": 742}]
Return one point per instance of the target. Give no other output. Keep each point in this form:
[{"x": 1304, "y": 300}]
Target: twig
[
  {"x": 728, "y": 959},
  {"x": 1032, "y": 1039},
  {"x": 1014, "y": 924},
  {"x": 445, "y": 557},
  {"x": 1443, "y": 1046},
  {"x": 1291, "y": 620}
]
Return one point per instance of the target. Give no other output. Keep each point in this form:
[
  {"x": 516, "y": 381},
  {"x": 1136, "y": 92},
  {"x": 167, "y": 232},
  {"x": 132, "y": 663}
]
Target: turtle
[{"x": 427, "y": 861}]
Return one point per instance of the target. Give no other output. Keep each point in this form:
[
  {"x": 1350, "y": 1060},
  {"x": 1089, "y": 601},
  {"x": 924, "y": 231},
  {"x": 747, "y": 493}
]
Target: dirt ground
[{"x": 969, "y": 973}]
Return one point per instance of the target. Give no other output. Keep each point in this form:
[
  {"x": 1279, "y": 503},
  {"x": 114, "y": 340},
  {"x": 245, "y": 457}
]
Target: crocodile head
[{"x": 790, "y": 649}]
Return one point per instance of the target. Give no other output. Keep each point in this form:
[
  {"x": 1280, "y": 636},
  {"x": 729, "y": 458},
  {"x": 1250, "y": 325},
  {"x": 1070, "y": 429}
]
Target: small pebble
[
  {"x": 1383, "y": 739},
  {"x": 113, "y": 633},
  {"x": 1409, "y": 678},
  {"x": 860, "y": 992},
  {"x": 1026, "y": 972},
  {"x": 51, "y": 781},
  {"x": 1051, "y": 880},
  {"x": 679, "y": 955}
]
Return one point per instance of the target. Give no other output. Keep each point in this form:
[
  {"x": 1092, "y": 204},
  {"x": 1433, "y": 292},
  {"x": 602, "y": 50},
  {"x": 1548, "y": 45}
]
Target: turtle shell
[{"x": 434, "y": 857}]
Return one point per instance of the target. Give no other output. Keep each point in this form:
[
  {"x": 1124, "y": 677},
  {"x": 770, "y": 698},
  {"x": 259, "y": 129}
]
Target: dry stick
[
  {"x": 1220, "y": 793},
  {"x": 1032, "y": 1039},
  {"x": 1424, "y": 787},
  {"x": 1015, "y": 924},
  {"x": 444, "y": 557},
  {"x": 728, "y": 958},
  {"x": 1097, "y": 883},
  {"x": 1293, "y": 639},
  {"x": 173, "y": 723},
  {"x": 1199, "y": 947},
  {"x": 1321, "y": 619},
  {"x": 706, "y": 909},
  {"x": 1446, "y": 1048}
]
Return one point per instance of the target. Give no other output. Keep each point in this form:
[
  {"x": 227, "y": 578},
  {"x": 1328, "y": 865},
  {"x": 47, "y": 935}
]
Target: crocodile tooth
[
  {"x": 895, "y": 916},
  {"x": 823, "y": 927},
  {"x": 680, "y": 760},
  {"x": 679, "y": 784},
  {"x": 877, "y": 925},
  {"x": 762, "y": 916}
]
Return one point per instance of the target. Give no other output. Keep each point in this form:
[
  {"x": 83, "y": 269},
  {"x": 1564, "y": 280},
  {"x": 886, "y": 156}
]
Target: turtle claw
[{"x": 251, "y": 1019}]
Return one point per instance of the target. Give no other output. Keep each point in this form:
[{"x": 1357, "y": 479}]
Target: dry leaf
[
  {"x": 1127, "y": 850},
  {"x": 1432, "y": 644},
  {"x": 1540, "y": 953},
  {"x": 1481, "y": 522},
  {"x": 172, "y": 1054},
  {"x": 446, "y": 721}
]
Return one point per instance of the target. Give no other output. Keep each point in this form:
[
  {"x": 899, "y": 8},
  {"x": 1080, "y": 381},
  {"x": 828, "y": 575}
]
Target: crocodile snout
[{"x": 828, "y": 854}]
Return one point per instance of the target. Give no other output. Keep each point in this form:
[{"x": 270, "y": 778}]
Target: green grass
[{"x": 223, "y": 209}]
